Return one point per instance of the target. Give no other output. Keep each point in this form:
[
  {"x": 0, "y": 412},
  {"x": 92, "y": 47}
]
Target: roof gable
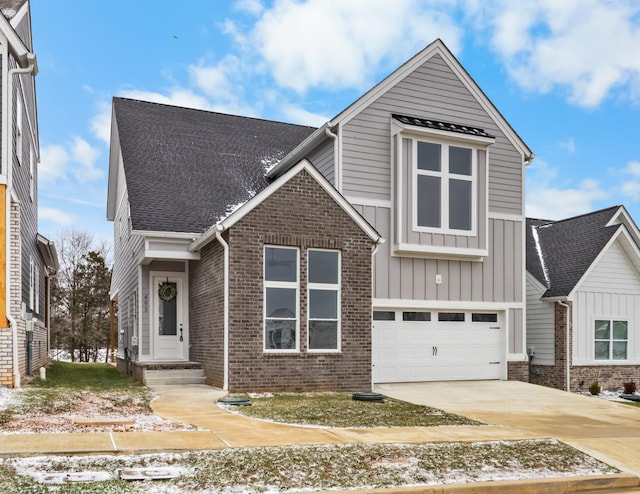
[
  {"x": 184, "y": 168},
  {"x": 250, "y": 205},
  {"x": 560, "y": 253},
  {"x": 434, "y": 49}
]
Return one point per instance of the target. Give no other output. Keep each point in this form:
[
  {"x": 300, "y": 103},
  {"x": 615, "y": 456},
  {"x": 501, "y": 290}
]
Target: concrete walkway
[
  {"x": 584, "y": 422},
  {"x": 605, "y": 430}
]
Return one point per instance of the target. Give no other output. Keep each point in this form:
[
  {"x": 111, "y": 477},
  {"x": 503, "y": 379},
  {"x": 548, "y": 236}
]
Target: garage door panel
[{"x": 407, "y": 351}]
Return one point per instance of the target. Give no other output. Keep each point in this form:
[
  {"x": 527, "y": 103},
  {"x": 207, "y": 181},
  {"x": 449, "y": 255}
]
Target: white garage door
[{"x": 437, "y": 346}]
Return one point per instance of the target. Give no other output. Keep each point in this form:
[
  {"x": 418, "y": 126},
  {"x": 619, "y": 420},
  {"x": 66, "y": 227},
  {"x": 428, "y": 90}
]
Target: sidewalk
[{"x": 196, "y": 405}]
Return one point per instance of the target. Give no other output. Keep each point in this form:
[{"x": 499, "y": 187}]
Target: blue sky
[{"x": 566, "y": 75}]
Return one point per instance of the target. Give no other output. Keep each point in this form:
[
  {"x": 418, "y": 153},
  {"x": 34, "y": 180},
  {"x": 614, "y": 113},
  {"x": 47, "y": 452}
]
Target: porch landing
[{"x": 168, "y": 372}]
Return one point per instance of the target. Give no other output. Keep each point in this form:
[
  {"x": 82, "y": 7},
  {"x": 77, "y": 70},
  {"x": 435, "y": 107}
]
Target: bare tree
[{"x": 80, "y": 297}]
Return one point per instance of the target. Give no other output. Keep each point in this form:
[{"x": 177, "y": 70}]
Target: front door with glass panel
[{"x": 168, "y": 324}]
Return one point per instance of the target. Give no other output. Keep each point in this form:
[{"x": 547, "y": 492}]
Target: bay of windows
[{"x": 282, "y": 299}]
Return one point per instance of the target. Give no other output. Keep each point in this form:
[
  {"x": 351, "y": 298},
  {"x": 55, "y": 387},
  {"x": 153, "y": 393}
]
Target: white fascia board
[
  {"x": 149, "y": 234},
  {"x": 115, "y": 158},
  {"x": 16, "y": 46},
  {"x": 300, "y": 151},
  {"x": 259, "y": 198},
  {"x": 456, "y": 253},
  {"x": 399, "y": 304},
  {"x": 623, "y": 216},
  {"x": 437, "y": 47}
]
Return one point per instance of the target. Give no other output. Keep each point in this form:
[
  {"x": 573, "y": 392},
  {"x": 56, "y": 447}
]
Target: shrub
[
  {"x": 595, "y": 388},
  {"x": 629, "y": 388}
]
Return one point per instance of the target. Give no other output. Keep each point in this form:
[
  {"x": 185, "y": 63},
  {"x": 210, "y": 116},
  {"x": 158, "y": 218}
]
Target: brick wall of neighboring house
[
  {"x": 611, "y": 377},
  {"x": 6, "y": 359},
  {"x": 518, "y": 371},
  {"x": 299, "y": 214},
  {"x": 206, "y": 312}
]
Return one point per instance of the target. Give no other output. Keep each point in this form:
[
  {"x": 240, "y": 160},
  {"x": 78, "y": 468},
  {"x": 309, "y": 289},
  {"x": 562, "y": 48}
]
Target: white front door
[{"x": 169, "y": 324}]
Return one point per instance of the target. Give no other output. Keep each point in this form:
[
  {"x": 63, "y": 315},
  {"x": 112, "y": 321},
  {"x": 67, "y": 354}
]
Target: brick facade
[
  {"x": 556, "y": 375},
  {"x": 518, "y": 371},
  {"x": 299, "y": 214}
]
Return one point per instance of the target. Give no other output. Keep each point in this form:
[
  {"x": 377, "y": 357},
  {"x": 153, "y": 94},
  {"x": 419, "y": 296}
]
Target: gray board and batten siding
[{"x": 431, "y": 91}]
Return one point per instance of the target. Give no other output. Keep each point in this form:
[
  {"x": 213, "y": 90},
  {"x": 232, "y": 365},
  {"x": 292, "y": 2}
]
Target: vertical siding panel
[
  {"x": 477, "y": 279},
  {"x": 394, "y": 277},
  {"x": 519, "y": 262},
  {"x": 454, "y": 280},
  {"x": 509, "y": 265},
  {"x": 431, "y": 271},
  {"x": 466, "y": 281},
  {"x": 443, "y": 288},
  {"x": 381, "y": 220},
  {"x": 487, "y": 267},
  {"x": 498, "y": 259},
  {"x": 419, "y": 280},
  {"x": 406, "y": 278}
]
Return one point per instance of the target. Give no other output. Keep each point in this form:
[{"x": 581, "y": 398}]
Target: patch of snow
[
  {"x": 269, "y": 163},
  {"x": 64, "y": 356},
  {"x": 6, "y": 397},
  {"x": 536, "y": 239}
]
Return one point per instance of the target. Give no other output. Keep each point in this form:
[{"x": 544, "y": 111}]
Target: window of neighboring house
[
  {"x": 19, "y": 136},
  {"x": 281, "y": 298},
  {"x": 32, "y": 184},
  {"x": 445, "y": 188},
  {"x": 611, "y": 339},
  {"x": 323, "y": 284}
]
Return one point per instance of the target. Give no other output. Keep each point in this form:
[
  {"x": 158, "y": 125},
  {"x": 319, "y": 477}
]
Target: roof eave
[{"x": 300, "y": 151}]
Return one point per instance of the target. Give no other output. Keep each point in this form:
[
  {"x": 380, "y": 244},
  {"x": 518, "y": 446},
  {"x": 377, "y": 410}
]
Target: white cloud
[
  {"x": 177, "y": 96},
  {"x": 588, "y": 47},
  {"x": 101, "y": 123},
  {"x": 340, "y": 44},
  {"x": 54, "y": 160},
  {"x": 86, "y": 156},
  {"x": 254, "y": 7},
  {"x": 297, "y": 114},
  {"x": 549, "y": 198},
  {"x": 569, "y": 145},
  {"x": 631, "y": 184},
  {"x": 56, "y": 216}
]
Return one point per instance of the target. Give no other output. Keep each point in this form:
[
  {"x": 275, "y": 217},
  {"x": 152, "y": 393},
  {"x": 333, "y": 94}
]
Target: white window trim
[
  {"x": 611, "y": 319},
  {"x": 329, "y": 287},
  {"x": 280, "y": 284},
  {"x": 445, "y": 177}
]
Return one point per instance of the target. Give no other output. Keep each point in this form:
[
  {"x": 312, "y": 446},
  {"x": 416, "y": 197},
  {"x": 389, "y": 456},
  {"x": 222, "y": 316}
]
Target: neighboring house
[
  {"x": 27, "y": 259},
  {"x": 385, "y": 246},
  {"x": 583, "y": 300}
]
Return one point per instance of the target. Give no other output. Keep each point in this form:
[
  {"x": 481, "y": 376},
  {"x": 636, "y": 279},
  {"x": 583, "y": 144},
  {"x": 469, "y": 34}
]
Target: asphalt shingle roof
[
  {"x": 186, "y": 168},
  {"x": 568, "y": 248}
]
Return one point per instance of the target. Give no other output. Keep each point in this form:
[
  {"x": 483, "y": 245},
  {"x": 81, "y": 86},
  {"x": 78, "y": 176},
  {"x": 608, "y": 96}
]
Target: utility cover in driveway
[{"x": 465, "y": 347}]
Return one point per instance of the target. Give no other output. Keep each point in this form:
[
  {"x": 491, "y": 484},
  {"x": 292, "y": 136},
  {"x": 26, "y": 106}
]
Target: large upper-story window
[
  {"x": 323, "y": 283},
  {"x": 445, "y": 188},
  {"x": 281, "y": 299}
]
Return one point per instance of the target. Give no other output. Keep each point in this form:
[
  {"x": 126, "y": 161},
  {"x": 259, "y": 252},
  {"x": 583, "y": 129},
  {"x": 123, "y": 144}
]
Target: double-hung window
[
  {"x": 445, "y": 188},
  {"x": 281, "y": 299},
  {"x": 323, "y": 284},
  {"x": 611, "y": 339}
]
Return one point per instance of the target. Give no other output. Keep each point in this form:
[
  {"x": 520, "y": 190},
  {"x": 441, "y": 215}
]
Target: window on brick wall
[
  {"x": 323, "y": 285},
  {"x": 281, "y": 299},
  {"x": 611, "y": 339}
]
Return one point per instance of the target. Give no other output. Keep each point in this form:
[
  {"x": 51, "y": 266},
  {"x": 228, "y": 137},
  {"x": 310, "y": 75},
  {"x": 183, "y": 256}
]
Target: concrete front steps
[{"x": 162, "y": 374}]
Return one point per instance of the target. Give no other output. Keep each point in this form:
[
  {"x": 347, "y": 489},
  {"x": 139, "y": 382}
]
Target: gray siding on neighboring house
[
  {"x": 431, "y": 91},
  {"x": 540, "y": 325},
  {"x": 497, "y": 279},
  {"x": 322, "y": 158}
]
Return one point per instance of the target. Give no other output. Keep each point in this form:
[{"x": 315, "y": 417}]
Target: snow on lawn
[{"x": 6, "y": 395}]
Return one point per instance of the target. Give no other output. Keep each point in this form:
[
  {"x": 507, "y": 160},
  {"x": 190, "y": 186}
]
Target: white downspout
[
  {"x": 225, "y": 246},
  {"x": 374, "y": 249},
  {"x": 336, "y": 156},
  {"x": 566, "y": 345},
  {"x": 31, "y": 68}
]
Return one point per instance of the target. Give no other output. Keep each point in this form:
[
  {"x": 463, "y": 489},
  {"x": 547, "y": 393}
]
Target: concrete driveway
[{"x": 606, "y": 430}]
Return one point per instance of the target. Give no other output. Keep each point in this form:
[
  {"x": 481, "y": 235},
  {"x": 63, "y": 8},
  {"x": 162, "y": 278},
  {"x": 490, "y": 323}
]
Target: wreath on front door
[{"x": 167, "y": 291}]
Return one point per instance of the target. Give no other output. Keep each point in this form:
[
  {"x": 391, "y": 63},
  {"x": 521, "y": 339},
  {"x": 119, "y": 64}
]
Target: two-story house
[
  {"x": 385, "y": 246},
  {"x": 27, "y": 259}
]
